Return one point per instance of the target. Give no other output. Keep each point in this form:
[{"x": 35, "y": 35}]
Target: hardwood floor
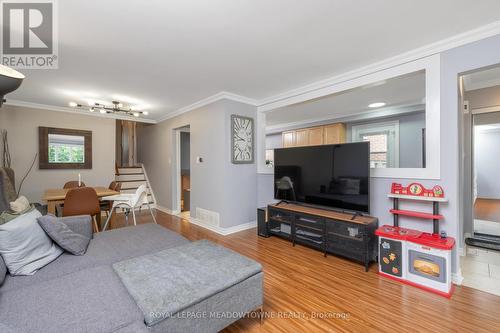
[
  {"x": 487, "y": 209},
  {"x": 300, "y": 283}
]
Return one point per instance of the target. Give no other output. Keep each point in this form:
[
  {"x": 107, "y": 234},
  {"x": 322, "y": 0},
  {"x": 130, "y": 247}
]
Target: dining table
[{"x": 55, "y": 196}]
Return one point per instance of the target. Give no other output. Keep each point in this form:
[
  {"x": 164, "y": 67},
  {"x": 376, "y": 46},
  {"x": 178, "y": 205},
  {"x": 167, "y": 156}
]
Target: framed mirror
[
  {"x": 396, "y": 109},
  {"x": 62, "y": 148}
]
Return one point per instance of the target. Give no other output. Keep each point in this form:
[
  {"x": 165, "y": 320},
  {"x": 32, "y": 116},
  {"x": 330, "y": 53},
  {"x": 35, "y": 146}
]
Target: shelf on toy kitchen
[
  {"x": 417, "y": 214},
  {"x": 416, "y": 197}
]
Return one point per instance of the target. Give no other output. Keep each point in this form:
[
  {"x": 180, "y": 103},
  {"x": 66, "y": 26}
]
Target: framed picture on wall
[
  {"x": 62, "y": 148},
  {"x": 242, "y": 139}
]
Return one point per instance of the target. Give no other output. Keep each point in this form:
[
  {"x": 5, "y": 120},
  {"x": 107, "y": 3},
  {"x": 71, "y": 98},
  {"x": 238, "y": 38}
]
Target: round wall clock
[{"x": 242, "y": 139}]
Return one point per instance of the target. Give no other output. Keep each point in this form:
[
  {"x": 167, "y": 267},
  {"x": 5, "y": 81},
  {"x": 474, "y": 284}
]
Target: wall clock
[{"x": 242, "y": 139}]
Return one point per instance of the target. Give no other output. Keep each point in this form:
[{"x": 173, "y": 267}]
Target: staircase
[{"x": 131, "y": 178}]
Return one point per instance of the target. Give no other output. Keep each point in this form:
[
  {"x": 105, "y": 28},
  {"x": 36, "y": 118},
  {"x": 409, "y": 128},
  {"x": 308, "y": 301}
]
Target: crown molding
[
  {"x": 467, "y": 37},
  {"x": 13, "y": 102},
  {"x": 209, "y": 100}
]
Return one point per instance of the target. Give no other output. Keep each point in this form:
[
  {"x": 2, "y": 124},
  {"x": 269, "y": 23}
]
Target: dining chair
[
  {"x": 130, "y": 203},
  {"x": 83, "y": 201},
  {"x": 73, "y": 184},
  {"x": 68, "y": 185}
]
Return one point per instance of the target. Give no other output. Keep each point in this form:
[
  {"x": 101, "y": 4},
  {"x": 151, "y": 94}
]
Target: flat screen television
[{"x": 334, "y": 176}]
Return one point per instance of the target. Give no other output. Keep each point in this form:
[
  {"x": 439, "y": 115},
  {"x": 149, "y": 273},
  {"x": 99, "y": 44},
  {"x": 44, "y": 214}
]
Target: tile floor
[{"x": 481, "y": 267}]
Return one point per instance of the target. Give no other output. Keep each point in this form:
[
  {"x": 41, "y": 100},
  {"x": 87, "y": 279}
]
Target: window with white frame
[{"x": 384, "y": 142}]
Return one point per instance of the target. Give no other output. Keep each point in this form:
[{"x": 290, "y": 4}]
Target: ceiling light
[
  {"x": 113, "y": 107},
  {"x": 10, "y": 80},
  {"x": 376, "y": 105},
  {"x": 145, "y": 113}
]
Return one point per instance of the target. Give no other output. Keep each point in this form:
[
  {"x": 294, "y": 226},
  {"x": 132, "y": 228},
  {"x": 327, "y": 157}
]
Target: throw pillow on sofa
[
  {"x": 24, "y": 246},
  {"x": 20, "y": 204},
  {"x": 63, "y": 236},
  {"x": 9, "y": 215}
]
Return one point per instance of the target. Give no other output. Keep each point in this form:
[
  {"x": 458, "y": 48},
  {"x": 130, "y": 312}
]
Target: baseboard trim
[
  {"x": 224, "y": 231},
  {"x": 457, "y": 278},
  {"x": 163, "y": 209},
  {"x": 216, "y": 229}
]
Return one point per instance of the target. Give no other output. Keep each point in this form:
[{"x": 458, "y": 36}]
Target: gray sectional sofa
[{"x": 85, "y": 294}]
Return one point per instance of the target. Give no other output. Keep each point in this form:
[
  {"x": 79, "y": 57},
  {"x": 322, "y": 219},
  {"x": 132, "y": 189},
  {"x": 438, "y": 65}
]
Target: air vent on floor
[{"x": 207, "y": 216}]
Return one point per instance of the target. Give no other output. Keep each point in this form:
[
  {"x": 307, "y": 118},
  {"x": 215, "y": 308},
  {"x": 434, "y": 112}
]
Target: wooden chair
[
  {"x": 69, "y": 185},
  {"x": 83, "y": 201},
  {"x": 73, "y": 184}
]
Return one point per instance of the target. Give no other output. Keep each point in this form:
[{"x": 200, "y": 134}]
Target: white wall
[
  {"x": 22, "y": 126},
  {"x": 216, "y": 184}
]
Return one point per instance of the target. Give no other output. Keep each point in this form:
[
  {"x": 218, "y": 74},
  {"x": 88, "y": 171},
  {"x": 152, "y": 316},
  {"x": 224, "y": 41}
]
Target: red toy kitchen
[{"x": 411, "y": 256}]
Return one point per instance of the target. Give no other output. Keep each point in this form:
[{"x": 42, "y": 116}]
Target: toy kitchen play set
[{"x": 414, "y": 257}]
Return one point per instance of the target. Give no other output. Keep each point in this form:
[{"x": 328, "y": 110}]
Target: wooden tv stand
[{"x": 347, "y": 235}]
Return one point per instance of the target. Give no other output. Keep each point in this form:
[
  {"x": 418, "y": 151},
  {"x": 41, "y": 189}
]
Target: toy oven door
[{"x": 427, "y": 265}]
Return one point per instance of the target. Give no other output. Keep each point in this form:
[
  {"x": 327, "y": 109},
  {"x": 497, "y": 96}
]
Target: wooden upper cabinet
[
  {"x": 288, "y": 139},
  {"x": 314, "y": 136},
  {"x": 334, "y": 133},
  {"x": 302, "y": 137}
]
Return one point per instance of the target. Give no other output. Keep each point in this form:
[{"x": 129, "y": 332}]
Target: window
[
  {"x": 378, "y": 149},
  {"x": 66, "y": 148},
  {"x": 384, "y": 142}
]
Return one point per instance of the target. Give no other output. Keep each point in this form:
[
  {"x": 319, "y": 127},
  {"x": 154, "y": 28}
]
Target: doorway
[
  {"x": 183, "y": 172},
  {"x": 481, "y": 133}
]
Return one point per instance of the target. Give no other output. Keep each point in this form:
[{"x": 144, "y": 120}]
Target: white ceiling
[
  {"x": 398, "y": 92},
  {"x": 168, "y": 54}
]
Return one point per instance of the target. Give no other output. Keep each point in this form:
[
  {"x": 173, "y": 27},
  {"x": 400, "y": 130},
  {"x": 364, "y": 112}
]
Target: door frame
[{"x": 176, "y": 177}]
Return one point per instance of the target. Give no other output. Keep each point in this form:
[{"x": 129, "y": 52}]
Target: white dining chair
[{"x": 130, "y": 202}]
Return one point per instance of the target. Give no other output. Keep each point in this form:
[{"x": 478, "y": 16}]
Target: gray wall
[
  {"x": 22, "y": 126},
  {"x": 273, "y": 141},
  {"x": 216, "y": 184},
  {"x": 487, "y": 163}
]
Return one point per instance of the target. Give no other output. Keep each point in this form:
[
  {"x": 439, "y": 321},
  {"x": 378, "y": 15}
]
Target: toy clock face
[{"x": 416, "y": 189}]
